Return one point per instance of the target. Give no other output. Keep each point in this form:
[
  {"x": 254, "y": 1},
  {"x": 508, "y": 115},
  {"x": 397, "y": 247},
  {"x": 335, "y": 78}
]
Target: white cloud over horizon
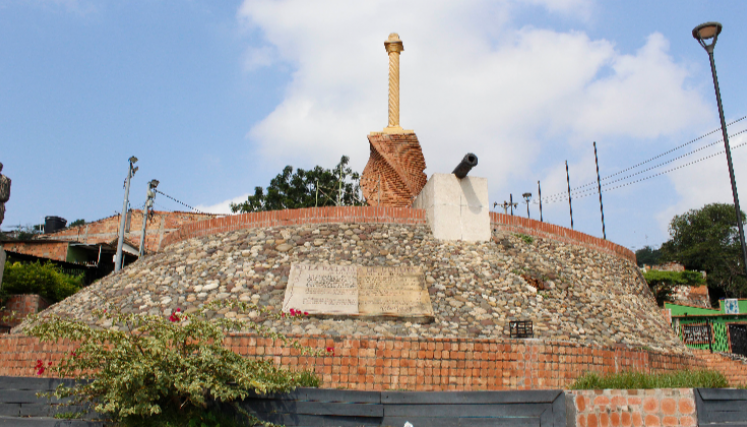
[
  {"x": 223, "y": 207},
  {"x": 471, "y": 81}
]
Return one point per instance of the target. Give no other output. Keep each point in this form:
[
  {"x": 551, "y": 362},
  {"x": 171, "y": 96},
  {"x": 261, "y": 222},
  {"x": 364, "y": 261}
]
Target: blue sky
[{"x": 214, "y": 98}]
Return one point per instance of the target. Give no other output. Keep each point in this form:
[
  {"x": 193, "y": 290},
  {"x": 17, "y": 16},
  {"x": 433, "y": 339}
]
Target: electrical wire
[
  {"x": 564, "y": 196},
  {"x": 607, "y": 188},
  {"x": 178, "y": 201},
  {"x": 657, "y": 157}
]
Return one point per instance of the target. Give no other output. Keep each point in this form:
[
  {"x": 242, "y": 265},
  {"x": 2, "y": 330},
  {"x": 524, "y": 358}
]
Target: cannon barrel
[{"x": 468, "y": 162}]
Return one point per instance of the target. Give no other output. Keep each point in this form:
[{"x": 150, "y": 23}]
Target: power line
[
  {"x": 563, "y": 196},
  {"x": 179, "y": 201},
  {"x": 656, "y": 157},
  {"x": 607, "y": 188}
]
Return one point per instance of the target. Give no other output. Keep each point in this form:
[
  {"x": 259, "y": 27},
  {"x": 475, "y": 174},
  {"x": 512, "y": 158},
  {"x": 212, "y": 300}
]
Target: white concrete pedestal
[{"x": 456, "y": 209}]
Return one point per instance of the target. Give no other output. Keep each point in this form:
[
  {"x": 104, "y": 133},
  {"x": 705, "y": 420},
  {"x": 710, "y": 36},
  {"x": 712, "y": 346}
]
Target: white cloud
[
  {"x": 470, "y": 81},
  {"x": 223, "y": 207},
  {"x": 258, "y": 57}
]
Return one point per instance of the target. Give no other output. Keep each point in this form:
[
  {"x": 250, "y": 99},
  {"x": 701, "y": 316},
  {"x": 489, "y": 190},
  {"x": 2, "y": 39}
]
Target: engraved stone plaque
[
  {"x": 322, "y": 289},
  {"x": 358, "y": 291},
  {"x": 393, "y": 291}
]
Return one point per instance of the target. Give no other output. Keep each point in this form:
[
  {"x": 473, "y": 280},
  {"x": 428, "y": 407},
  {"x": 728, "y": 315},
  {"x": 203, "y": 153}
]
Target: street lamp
[
  {"x": 150, "y": 197},
  {"x": 120, "y": 241},
  {"x": 702, "y": 33},
  {"x": 527, "y": 197}
]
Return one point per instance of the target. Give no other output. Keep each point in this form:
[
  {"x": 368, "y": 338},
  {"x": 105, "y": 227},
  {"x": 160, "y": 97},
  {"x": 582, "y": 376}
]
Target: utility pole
[
  {"x": 703, "y": 32},
  {"x": 511, "y": 201},
  {"x": 539, "y": 195},
  {"x": 316, "y": 203},
  {"x": 527, "y": 197},
  {"x": 151, "y": 197},
  {"x": 568, "y": 180},
  {"x": 599, "y": 184},
  {"x": 123, "y": 218}
]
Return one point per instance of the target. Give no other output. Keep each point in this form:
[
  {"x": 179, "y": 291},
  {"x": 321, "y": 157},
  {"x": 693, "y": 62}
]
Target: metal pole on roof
[
  {"x": 120, "y": 240},
  {"x": 599, "y": 184},
  {"x": 151, "y": 196}
]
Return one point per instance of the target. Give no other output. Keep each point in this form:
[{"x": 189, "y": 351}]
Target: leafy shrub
[
  {"x": 640, "y": 380},
  {"x": 145, "y": 365},
  {"x": 526, "y": 238},
  {"x": 35, "y": 278}
]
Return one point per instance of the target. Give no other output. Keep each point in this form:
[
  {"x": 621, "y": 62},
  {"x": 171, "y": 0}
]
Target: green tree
[
  {"x": 306, "y": 188},
  {"x": 648, "y": 256},
  {"x": 77, "y": 222},
  {"x": 707, "y": 239}
]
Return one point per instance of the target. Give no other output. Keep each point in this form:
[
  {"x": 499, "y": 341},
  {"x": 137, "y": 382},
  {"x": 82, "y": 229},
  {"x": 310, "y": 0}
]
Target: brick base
[
  {"x": 410, "y": 364},
  {"x": 616, "y": 408},
  {"x": 20, "y": 306}
]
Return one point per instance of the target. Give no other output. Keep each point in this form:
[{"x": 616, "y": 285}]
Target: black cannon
[{"x": 468, "y": 162}]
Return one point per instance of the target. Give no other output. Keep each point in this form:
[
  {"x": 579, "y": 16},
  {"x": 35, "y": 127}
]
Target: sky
[{"x": 215, "y": 98}]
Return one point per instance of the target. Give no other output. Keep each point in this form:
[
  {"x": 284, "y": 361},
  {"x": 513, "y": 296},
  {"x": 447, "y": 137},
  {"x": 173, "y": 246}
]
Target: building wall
[
  {"x": 382, "y": 363},
  {"x": 53, "y": 250},
  {"x": 719, "y": 330},
  {"x": 624, "y": 408},
  {"x": 17, "y": 307},
  {"x": 106, "y": 230}
]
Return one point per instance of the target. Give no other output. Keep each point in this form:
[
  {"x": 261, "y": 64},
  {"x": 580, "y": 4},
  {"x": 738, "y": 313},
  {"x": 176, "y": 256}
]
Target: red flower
[
  {"x": 178, "y": 310},
  {"x": 40, "y": 371},
  {"x": 72, "y": 353},
  {"x": 305, "y": 313},
  {"x": 293, "y": 311},
  {"x": 330, "y": 350},
  {"x": 282, "y": 314}
]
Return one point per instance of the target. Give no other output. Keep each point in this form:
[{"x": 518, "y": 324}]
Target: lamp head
[
  {"x": 707, "y": 31},
  {"x": 153, "y": 183},
  {"x": 133, "y": 160},
  {"x": 527, "y": 196}
]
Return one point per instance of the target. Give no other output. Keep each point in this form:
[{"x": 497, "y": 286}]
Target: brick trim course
[
  {"x": 326, "y": 215},
  {"x": 517, "y": 224},
  {"x": 391, "y": 215},
  {"x": 382, "y": 363}
]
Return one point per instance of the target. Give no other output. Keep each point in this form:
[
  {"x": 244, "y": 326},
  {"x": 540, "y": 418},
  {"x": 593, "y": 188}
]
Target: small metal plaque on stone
[{"x": 358, "y": 291}]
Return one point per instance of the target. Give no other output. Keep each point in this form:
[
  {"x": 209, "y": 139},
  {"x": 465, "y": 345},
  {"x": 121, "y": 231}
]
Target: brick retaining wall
[
  {"x": 381, "y": 363},
  {"x": 735, "y": 371},
  {"x": 372, "y": 214}
]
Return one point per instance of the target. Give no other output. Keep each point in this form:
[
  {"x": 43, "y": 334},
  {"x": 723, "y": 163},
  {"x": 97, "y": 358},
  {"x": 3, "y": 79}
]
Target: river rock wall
[{"x": 571, "y": 293}]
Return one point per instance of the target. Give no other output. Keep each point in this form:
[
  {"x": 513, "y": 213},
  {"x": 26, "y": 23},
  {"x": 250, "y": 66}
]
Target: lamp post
[
  {"x": 527, "y": 197},
  {"x": 702, "y": 33},
  {"x": 120, "y": 241},
  {"x": 151, "y": 196}
]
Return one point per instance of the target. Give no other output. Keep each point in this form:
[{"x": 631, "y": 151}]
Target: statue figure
[
  {"x": 4, "y": 193},
  {"x": 394, "y": 174}
]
